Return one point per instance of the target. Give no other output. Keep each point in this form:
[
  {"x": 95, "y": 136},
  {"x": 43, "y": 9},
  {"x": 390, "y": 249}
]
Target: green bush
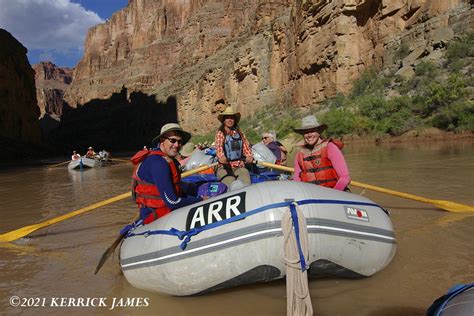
[{"x": 457, "y": 117}]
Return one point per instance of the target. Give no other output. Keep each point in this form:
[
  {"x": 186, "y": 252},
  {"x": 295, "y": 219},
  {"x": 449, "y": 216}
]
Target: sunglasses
[
  {"x": 265, "y": 137},
  {"x": 175, "y": 140}
]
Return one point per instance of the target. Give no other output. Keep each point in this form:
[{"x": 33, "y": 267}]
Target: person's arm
[
  {"x": 297, "y": 169},
  {"x": 339, "y": 164},
  {"x": 219, "y": 142},
  {"x": 282, "y": 148},
  {"x": 246, "y": 149},
  {"x": 161, "y": 175}
]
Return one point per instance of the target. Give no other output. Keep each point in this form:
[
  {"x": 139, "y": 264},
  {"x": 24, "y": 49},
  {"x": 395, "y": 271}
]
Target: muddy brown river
[{"x": 55, "y": 266}]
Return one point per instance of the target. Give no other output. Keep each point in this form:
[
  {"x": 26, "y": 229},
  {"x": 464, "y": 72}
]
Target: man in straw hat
[
  {"x": 157, "y": 177},
  {"x": 232, "y": 149},
  {"x": 320, "y": 161}
]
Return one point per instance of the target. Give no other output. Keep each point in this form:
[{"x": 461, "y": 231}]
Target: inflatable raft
[
  {"x": 236, "y": 238},
  {"x": 459, "y": 301},
  {"x": 82, "y": 163}
]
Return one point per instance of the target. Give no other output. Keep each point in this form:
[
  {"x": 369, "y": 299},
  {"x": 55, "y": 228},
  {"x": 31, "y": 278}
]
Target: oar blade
[
  {"x": 18, "y": 233},
  {"x": 107, "y": 253},
  {"x": 453, "y": 206}
]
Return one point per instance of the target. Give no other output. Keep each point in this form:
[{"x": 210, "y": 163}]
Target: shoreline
[{"x": 423, "y": 135}]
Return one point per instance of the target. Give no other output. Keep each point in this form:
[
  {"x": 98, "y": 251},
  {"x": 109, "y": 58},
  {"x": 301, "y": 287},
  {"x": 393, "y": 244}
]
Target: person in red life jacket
[
  {"x": 156, "y": 187},
  {"x": 320, "y": 161},
  {"x": 90, "y": 153},
  {"x": 232, "y": 149},
  {"x": 276, "y": 147},
  {"x": 75, "y": 156}
]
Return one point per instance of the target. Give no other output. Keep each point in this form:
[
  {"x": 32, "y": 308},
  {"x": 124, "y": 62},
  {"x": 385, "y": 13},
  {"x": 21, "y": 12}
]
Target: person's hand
[
  {"x": 249, "y": 159},
  {"x": 204, "y": 197},
  {"x": 223, "y": 160}
]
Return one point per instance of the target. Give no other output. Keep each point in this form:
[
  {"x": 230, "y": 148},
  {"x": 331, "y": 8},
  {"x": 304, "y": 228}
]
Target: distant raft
[
  {"x": 82, "y": 163},
  {"x": 236, "y": 238}
]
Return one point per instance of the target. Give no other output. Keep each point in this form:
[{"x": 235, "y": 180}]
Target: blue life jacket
[{"x": 233, "y": 146}]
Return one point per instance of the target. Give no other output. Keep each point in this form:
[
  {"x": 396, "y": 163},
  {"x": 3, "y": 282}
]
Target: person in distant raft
[
  {"x": 320, "y": 161},
  {"x": 90, "y": 153},
  {"x": 232, "y": 149},
  {"x": 156, "y": 177},
  {"x": 75, "y": 156}
]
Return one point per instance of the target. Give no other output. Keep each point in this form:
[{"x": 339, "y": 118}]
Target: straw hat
[
  {"x": 229, "y": 112},
  {"x": 170, "y": 127},
  {"x": 310, "y": 123}
]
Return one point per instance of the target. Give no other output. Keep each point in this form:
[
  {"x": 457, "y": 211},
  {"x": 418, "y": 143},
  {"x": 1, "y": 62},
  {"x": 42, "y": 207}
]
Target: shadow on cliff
[{"x": 115, "y": 124}]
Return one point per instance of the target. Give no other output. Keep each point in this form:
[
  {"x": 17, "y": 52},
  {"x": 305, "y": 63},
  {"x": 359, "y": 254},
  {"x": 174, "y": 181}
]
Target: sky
[{"x": 55, "y": 30}]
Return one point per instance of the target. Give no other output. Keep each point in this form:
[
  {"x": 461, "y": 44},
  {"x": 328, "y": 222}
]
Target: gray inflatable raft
[{"x": 349, "y": 236}]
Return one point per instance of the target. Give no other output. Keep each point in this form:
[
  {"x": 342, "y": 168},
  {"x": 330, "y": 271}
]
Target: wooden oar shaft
[
  {"x": 392, "y": 192},
  {"x": 275, "y": 166},
  {"x": 21, "y": 232},
  {"x": 121, "y": 160},
  {"x": 59, "y": 164},
  {"x": 445, "y": 205}
]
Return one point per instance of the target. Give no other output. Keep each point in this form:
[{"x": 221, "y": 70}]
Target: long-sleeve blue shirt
[{"x": 155, "y": 169}]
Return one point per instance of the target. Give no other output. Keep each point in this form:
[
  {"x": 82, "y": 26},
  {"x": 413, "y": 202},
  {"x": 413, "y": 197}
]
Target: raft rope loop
[{"x": 296, "y": 250}]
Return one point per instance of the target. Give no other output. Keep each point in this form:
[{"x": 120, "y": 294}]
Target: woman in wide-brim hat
[
  {"x": 320, "y": 161},
  {"x": 232, "y": 149}
]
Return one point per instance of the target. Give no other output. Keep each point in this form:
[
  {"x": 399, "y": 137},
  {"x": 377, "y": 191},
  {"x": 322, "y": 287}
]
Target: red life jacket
[
  {"x": 315, "y": 165},
  {"x": 146, "y": 194}
]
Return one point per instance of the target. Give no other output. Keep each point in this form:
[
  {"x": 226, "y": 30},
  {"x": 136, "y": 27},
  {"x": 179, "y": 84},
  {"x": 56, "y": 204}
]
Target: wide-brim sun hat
[
  {"x": 229, "y": 112},
  {"x": 310, "y": 122},
  {"x": 173, "y": 127}
]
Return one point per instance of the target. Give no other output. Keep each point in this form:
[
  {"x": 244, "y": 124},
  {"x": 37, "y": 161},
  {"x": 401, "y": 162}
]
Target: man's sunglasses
[
  {"x": 265, "y": 137},
  {"x": 175, "y": 140}
]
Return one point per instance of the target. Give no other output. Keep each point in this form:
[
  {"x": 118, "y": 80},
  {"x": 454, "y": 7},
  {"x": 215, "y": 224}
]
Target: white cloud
[{"x": 58, "y": 26}]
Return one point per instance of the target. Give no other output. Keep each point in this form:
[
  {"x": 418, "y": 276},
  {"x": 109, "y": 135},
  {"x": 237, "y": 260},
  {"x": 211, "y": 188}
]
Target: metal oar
[
  {"x": 442, "y": 204},
  {"x": 121, "y": 236},
  {"x": 22, "y": 232}
]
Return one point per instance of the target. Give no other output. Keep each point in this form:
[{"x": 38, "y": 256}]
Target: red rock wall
[
  {"x": 252, "y": 54},
  {"x": 51, "y": 82}
]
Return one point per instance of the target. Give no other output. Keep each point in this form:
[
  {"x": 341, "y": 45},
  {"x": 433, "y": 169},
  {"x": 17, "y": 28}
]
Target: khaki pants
[{"x": 241, "y": 173}]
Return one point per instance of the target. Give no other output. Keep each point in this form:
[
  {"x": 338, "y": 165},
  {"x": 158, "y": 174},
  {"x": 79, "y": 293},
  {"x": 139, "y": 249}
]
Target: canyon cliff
[
  {"x": 51, "y": 82},
  {"x": 19, "y": 127},
  {"x": 251, "y": 54}
]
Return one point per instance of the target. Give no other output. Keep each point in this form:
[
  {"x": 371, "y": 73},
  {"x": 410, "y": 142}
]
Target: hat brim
[
  {"x": 185, "y": 136},
  {"x": 220, "y": 117},
  {"x": 316, "y": 128}
]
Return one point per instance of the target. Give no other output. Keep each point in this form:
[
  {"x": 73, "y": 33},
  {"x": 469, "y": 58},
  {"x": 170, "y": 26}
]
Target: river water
[{"x": 435, "y": 247}]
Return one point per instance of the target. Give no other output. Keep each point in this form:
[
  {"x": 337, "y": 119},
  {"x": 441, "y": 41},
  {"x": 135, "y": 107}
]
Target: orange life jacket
[
  {"x": 146, "y": 194},
  {"x": 315, "y": 165}
]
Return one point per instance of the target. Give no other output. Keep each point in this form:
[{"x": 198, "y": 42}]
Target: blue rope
[
  {"x": 294, "y": 217},
  {"x": 187, "y": 235}
]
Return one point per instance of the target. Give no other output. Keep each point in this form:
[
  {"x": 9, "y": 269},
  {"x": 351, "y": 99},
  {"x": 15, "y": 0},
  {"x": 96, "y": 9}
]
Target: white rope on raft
[{"x": 298, "y": 301}]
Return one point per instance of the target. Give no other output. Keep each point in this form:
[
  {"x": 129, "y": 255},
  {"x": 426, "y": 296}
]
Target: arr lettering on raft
[{"x": 216, "y": 211}]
